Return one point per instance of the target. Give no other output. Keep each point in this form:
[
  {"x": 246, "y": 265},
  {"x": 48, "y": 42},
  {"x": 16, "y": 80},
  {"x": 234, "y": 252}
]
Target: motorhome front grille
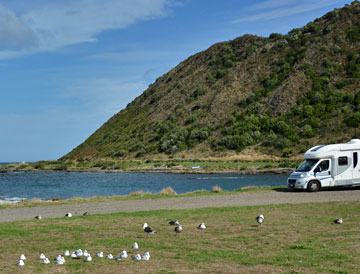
[{"x": 292, "y": 181}]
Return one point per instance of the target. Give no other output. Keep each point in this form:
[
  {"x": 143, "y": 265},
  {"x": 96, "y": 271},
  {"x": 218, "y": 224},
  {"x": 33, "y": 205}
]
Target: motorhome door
[
  {"x": 322, "y": 172},
  {"x": 356, "y": 168}
]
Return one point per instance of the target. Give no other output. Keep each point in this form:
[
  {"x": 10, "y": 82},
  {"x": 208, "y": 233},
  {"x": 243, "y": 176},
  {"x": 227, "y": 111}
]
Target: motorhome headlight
[{"x": 302, "y": 175}]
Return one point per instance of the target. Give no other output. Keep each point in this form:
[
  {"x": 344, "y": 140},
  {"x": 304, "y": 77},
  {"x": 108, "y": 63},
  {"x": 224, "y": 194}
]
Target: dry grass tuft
[
  {"x": 138, "y": 193},
  {"x": 217, "y": 189},
  {"x": 168, "y": 190}
]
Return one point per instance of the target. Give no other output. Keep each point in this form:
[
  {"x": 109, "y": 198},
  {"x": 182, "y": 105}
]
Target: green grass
[
  {"x": 295, "y": 238},
  {"x": 137, "y": 196}
]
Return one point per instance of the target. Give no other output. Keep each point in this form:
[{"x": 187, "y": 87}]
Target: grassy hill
[{"x": 255, "y": 95}]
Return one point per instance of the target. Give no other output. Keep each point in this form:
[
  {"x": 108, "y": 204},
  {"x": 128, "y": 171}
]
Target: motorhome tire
[{"x": 313, "y": 186}]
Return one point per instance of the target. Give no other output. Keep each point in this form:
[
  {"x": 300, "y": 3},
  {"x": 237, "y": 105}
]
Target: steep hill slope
[{"x": 276, "y": 95}]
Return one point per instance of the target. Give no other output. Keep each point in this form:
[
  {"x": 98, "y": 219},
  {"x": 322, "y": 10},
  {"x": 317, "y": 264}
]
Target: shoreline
[{"x": 166, "y": 171}]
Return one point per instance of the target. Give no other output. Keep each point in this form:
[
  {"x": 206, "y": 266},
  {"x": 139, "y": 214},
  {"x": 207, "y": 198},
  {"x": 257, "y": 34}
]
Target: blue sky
[{"x": 67, "y": 66}]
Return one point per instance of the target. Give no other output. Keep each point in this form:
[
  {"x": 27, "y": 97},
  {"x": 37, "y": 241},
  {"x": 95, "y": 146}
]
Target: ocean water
[{"x": 46, "y": 185}]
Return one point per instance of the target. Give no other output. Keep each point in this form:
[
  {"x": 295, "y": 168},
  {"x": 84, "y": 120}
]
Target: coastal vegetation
[
  {"x": 169, "y": 165},
  {"x": 276, "y": 95},
  {"x": 295, "y": 238}
]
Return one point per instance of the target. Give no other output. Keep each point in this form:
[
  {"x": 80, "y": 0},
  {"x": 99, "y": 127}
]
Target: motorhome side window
[
  {"x": 323, "y": 166},
  {"x": 343, "y": 161}
]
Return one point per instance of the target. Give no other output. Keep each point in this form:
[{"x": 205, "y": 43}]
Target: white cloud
[
  {"x": 57, "y": 24},
  {"x": 283, "y": 8},
  {"x": 13, "y": 32}
]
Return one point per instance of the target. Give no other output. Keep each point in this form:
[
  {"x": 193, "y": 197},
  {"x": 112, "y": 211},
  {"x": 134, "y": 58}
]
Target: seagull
[
  {"x": 66, "y": 253},
  {"x": 22, "y": 257},
  {"x": 85, "y": 253},
  {"x": 59, "y": 259},
  {"x": 38, "y": 217},
  {"x": 86, "y": 214},
  {"x": 202, "y": 226},
  {"x": 145, "y": 257},
  {"x": 100, "y": 254},
  {"x": 110, "y": 257},
  {"x": 260, "y": 219},
  {"x": 135, "y": 246},
  {"x": 136, "y": 257},
  {"x": 79, "y": 253},
  {"x": 178, "y": 229},
  {"x": 123, "y": 255},
  {"x": 42, "y": 256},
  {"x": 148, "y": 229},
  {"x": 73, "y": 255},
  {"x": 20, "y": 263},
  {"x": 174, "y": 222},
  {"x": 46, "y": 261},
  {"x": 338, "y": 221},
  {"x": 88, "y": 258},
  {"x": 68, "y": 215}
]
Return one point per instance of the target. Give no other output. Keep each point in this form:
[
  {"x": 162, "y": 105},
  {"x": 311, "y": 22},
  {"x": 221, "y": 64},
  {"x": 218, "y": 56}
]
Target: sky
[{"x": 67, "y": 66}]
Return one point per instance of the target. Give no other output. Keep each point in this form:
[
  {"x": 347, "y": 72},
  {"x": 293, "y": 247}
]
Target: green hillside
[{"x": 266, "y": 96}]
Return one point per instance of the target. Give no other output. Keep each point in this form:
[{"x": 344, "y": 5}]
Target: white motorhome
[{"x": 328, "y": 166}]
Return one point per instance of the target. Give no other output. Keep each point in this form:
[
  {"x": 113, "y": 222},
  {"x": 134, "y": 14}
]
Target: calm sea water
[{"x": 46, "y": 185}]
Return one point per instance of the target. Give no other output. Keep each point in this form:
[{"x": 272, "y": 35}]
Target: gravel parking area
[{"x": 241, "y": 199}]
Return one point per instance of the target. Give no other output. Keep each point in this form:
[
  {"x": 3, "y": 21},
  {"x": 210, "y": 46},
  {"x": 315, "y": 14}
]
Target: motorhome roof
[{"x": 323, "y": 151}]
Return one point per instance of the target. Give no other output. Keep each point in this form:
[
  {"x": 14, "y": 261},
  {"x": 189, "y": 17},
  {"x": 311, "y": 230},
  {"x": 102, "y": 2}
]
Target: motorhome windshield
[{"x": 307, "y": 165}]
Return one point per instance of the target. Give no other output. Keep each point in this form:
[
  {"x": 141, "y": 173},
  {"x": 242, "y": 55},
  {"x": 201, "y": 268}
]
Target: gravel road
[{"x": 241, "y": 199}]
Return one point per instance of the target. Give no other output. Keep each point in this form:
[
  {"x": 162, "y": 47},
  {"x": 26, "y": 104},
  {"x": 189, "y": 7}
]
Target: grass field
[{"x": 295, "y": 238}]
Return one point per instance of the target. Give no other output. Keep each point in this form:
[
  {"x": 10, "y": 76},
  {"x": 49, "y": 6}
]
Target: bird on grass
[
  {"x": 338, "y": 221},
  {"x": 66, "y": 253},
  {"x": 22, "y": 257},
  {"x": 88, "y": 258},
  {"x": 202, "y": 226},
  {"x": 148, "y": 229},
  {"x": 146, "y": 256},
  {"x": 20, "y": 263},
  {"x": 86, "y": 214},
  {"x": 136, "y": 257},
  {"x": 68, "y": 215},
  {"x": 109, "y": 256},
  {"x": 135, "y": 246},
  {"x": 174, "y": 222},
  {"x": 42, "y": 256},
  {"x": 100, "y": 254},
  {"x": 38, "y": 217},
  {"x": 46, "y": 261},
  {"x": 260, "y": 219},
  {"x": 178, "y": 229}
]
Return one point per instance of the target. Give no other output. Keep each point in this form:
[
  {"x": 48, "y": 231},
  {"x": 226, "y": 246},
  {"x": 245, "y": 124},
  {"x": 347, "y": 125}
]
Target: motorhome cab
[{"x": 328, "y": 166}]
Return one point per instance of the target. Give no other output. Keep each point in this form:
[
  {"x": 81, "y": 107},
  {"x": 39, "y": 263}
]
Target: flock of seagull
[{"x": 77, "y": 254}]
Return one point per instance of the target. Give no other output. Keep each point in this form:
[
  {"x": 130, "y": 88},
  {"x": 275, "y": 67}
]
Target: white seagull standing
[
  {"x": 148, "y": 229},
  {"x": 135, "y": 246},
  {"x": 260, "y": 219},
  {"x": 202, "y": 226},
  {"x": 22, "y": 257},
  {"x": 20, "y": 263}
]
